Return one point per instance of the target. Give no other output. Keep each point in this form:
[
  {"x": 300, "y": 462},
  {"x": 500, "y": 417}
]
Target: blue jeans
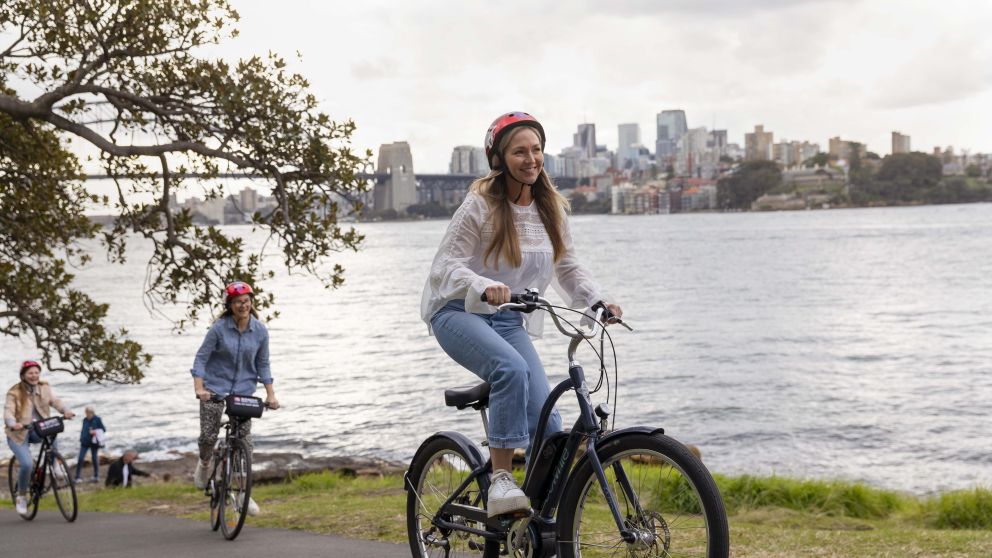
[
  {"x": 496, "y": 348},
  {"x": 82, "y": 455},
  {"x": 23, "y": 454}
]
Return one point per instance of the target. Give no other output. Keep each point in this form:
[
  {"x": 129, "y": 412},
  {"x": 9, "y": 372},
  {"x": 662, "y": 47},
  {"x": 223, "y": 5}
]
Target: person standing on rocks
[
  {"x": 233, "y": 359},
  {"x": 90, "y": 440},
  {"x": 511, "y": 233}
]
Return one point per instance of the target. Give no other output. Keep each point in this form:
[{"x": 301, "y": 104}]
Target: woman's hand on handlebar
[
  {"x": 68, "y": 414},
  {"x": 615, "y": 310},
  {"x": 203, "y": 395},
  {"x": 271, "y": 402},
  {"x": 497, "y": 294},
  {"x": 17, "y": 426}
]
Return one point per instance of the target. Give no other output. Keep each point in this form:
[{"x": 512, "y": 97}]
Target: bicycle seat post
[{"x": 485, "y": 425}]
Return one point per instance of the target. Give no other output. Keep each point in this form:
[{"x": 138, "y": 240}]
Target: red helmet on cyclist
[
  {"x": 28, "y": 364},
  {"x": 501, "y": 126},
  {"x": 237, "y": 288}
]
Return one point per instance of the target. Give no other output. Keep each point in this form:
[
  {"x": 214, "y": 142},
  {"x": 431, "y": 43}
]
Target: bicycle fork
[{"x": 592, "y": 428}]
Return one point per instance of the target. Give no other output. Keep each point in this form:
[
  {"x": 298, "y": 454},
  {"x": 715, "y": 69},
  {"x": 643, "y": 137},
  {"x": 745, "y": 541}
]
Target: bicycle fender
[
  {"x": 616, "y": 435},
  {"x": 463, "y": 443}
]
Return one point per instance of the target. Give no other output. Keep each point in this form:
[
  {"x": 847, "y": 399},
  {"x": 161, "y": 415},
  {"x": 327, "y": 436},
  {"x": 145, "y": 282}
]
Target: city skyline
[{"x": 432, "y": 74}]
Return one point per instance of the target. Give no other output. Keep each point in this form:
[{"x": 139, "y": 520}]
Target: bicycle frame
[
  {"x": 547, "y": 495},
  {"x": 231, "y": 426}
]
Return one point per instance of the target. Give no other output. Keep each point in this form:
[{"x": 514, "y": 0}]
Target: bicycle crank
[{"x": 518, "y": 539}]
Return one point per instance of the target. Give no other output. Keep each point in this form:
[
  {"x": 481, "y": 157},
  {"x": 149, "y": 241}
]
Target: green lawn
[{"x": 771, "y": 517}]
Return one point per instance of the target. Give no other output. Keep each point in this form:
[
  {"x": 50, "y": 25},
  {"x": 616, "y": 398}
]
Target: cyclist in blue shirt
[{"x": 233, "y": 359}]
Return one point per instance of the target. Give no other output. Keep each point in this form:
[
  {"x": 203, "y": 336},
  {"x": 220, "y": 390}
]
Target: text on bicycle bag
[{"x": 244, "y": 406}]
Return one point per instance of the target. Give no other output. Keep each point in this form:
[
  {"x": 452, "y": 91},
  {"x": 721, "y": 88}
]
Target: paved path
[{"x": 114, "y": 535}]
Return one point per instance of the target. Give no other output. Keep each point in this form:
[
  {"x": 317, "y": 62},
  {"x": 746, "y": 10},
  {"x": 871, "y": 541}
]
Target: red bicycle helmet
[
  {"x": 237, "y": 288},
  {"x": 28, "y": 364},
  {"x": 504, "y": 124}
]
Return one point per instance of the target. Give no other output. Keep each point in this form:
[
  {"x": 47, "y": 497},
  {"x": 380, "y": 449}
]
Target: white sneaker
[
  {"x": 21, "y": 505},
  {"x": 504, "y": 495},
  {"x": 58, "y": 472},
  {"x": 200, "y": 475},
  {"x": 252, "y": 506}
]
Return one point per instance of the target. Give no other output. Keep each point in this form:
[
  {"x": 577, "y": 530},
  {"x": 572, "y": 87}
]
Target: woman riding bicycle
[
  {"x": 511, "y": 233},
  {"x": 27, "y": 401},
  {"x": 233, "y": 359}
]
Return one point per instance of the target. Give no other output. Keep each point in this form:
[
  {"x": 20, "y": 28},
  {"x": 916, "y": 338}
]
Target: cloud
[
  {"x": 377, "y": 68},
  {"x": 946, "y": 71}
]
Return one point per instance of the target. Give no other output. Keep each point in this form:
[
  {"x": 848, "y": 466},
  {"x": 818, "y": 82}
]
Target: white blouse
[{"x": 458, "y": 270}]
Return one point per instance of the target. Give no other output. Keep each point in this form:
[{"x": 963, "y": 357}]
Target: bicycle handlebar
[{"x": 531, "y": 300}]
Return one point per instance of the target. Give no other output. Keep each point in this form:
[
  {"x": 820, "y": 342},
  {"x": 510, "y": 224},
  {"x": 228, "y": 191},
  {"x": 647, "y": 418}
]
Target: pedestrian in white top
[{"x": 511, "y": 233}]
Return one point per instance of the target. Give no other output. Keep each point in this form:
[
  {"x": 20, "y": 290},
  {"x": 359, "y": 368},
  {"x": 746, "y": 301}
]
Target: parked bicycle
[
  {"x": 633, "y": 492},
  {"x": 229, "y": 484},
  {"x": 50, "y": 472}
]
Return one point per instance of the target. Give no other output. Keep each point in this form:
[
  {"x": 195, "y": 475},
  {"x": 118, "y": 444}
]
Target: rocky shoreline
[{"x": 266, "y": 467}]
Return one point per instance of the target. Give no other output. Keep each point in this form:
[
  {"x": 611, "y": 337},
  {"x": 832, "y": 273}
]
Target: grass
[{"x": 770, "y": 517}]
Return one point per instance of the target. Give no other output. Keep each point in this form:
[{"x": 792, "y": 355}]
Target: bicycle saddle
[{"x": 476, "y": 397}]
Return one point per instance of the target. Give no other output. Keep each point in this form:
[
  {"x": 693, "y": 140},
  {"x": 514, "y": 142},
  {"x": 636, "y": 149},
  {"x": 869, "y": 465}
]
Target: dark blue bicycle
[{"x": 633, "y": 492}]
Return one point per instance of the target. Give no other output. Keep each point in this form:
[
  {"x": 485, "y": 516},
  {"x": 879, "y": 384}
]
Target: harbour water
[{"x": 852, "y": 344}]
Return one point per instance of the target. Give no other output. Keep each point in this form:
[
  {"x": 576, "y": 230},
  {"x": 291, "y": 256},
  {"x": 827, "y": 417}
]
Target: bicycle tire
[
  {"x": 214, "y": 505},
  {"x": 35, "y": 489},
  {"x": 64, "y": 489},
  {"x": 683, "y": 513},
  {"x": 12, "y": 474},
  {"x": 437, "y": 471},
  {"x": 235, "y": 497}
]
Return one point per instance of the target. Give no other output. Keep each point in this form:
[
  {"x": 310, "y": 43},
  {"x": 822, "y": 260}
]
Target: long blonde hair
[{"x": 551, "y": 206}]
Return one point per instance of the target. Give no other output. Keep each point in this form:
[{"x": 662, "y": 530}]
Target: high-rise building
[
  {"x": 671, "y": 127},
  {"x": 717, "y": 142},
  {"x": 248, "y": 200},
  {"x": 628, "y": 145},
  {"x": 758, "y": 144},
  {"x": 468, "y": 159},
  {"x": 843, "y": 149},
  {"x": 900, "y": 143},
  {"x": 585, "y": 139}
]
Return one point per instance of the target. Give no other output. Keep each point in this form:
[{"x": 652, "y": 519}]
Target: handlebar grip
[{"x": 514, "y": 298}]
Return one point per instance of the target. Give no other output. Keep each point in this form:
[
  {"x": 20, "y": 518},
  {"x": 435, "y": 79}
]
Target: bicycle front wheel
[
  {"x": 13, "y": 470},
  {"x": 434, "y": 476},
  {"x": 215, "y": 497},
  {"x": 665, "y": 496},
  {"x": 235, "y": 490},
  {"x": 63, "y": 488}
]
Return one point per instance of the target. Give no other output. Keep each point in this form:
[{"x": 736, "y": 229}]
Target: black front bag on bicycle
[
  {"x": 244, "y": 406},
  {"x": 48, "y": 427}
]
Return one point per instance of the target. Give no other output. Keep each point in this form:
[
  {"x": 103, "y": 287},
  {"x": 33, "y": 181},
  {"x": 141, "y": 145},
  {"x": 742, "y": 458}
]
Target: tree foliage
[
  {"x": 904, "y": 177},
  {"x": 751, "y": 181},
  {"x": 127, "y": 78}
]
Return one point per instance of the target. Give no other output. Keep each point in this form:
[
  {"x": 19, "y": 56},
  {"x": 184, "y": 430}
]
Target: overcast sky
[{"x": 436, "y": 72}]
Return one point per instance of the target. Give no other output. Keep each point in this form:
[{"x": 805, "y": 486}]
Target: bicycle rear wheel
[
  {"x": 63, "y": 488},
  {"x": 435, "y": 476},
  {"x": 665, "y": 495},
  {"x": 236, "y": 489}
]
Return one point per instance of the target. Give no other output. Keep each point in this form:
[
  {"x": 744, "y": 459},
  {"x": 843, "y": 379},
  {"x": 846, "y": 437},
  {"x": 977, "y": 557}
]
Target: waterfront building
[
  {"x": 900, "y": 143},
  {"x": 758, "y": 144},
  {"x": 671, "y": 126}
]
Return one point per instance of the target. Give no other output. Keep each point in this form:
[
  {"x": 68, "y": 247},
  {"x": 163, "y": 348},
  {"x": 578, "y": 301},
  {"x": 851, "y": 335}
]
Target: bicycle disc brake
[{"x": 518, "y": 541}]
